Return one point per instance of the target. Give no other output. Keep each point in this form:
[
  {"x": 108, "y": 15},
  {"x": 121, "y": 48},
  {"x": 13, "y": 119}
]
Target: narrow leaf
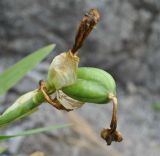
[
  {"x": 2, "y": 150},
  {"x": 34, "y": 131},
  {"x": 156, "y": 106},
  {"x": 16, "y": 72}
]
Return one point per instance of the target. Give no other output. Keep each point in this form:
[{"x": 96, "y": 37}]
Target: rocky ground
[{"x": 126, "y": 43}]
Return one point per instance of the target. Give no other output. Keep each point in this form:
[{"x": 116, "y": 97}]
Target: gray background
[{"x": 126, "y": 42}]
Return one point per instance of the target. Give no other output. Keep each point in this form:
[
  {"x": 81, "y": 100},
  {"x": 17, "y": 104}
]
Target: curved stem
[
  {"x": 113, "y": 124},
  {"x": 112, "y": 134}
]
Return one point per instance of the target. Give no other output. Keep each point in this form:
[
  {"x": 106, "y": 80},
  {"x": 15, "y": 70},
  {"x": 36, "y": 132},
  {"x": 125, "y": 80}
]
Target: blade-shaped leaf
[
  {"x": 156, "y": 106},
  {"x": 34, "y": 131},
  {"x": 2, "y": 149},
  {"x": 16, "y": 72}
]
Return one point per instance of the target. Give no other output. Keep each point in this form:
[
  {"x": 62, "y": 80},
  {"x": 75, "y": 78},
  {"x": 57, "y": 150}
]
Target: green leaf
[
  {"x": 2, "y": 149},
  {"x": 156, "y": 106},
  {"x": 34, "y": 131},
  {"x": 16, "y": 72}
]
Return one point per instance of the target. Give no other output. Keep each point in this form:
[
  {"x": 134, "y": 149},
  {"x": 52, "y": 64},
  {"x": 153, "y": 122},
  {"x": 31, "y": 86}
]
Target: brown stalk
[{"x": 87, "y": 24}]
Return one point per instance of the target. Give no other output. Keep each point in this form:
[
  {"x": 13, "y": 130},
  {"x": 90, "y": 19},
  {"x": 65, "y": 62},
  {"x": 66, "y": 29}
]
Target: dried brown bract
[{"x": 87, "y": 24}]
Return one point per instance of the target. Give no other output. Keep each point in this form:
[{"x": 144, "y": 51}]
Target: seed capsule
[
  {"x": 20, "y": 101},
  {"x": 92, "y": 85}
]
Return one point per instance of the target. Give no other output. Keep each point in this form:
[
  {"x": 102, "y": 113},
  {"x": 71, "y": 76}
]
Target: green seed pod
[
  {"x": 92, "y": 85},
  {"x": 23, "y": 106},
  {"x": 19, "y": 102}
]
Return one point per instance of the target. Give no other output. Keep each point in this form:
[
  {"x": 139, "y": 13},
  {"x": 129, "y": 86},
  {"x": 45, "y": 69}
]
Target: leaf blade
[
  {"x": 34, "y": 131},
  {"x": 2, "y": 149},
  {"x": 10, "y": 77},
  {"x": 156, "y": 106}
]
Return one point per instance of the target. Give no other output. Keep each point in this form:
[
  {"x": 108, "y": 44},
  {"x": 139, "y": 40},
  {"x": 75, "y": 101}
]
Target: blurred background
[{"x": 126, "y": 43}]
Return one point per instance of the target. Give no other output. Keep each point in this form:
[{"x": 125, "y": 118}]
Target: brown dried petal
[
  {"x": 67, "y": 101},
  {"x": 108, "y": 135}
]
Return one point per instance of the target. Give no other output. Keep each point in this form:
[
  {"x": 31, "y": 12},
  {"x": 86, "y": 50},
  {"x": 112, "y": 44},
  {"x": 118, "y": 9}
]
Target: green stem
[{"x": 25, "y": 107}]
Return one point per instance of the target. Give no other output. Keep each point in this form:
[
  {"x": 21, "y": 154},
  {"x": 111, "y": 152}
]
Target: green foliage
[
  {"x": 16, "y": 72},
  {"x": 156, "y": 106},
  {"x": 34, "y": 131},
  {"x": 2, "y": 150}
]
